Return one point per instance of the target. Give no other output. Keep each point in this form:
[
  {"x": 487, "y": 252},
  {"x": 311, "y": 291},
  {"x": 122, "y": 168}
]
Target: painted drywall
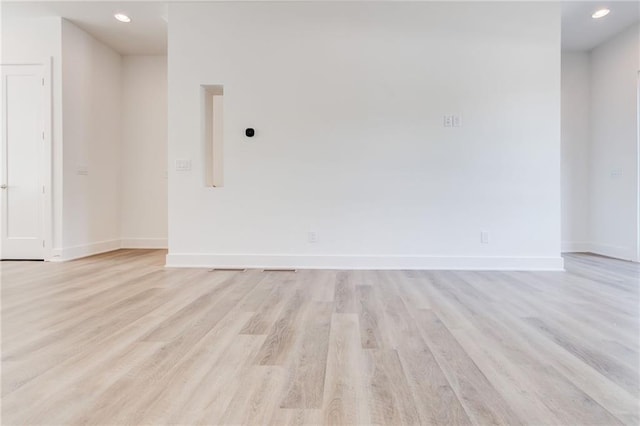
[
  {"x": 91, "y": 79},
  {"x": 575, "y": 151},
  {"x": 143, "y": 210},
  {"x": 35, "y": 41},
  {"x": 614, "y": 146},
  {"x": 348, "y": 100}
]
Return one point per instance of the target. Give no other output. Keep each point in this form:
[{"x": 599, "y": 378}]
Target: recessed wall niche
[{"x": 212, "y": 135}]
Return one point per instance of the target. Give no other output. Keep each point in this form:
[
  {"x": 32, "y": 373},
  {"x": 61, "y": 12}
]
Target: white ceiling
[
  {"x": 581, "y": 32},
  {"x": 147, "y": 33}
]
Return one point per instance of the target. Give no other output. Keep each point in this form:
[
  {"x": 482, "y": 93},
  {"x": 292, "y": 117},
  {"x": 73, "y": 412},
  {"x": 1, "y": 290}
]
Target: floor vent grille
[{"x": 227, "y": 270}]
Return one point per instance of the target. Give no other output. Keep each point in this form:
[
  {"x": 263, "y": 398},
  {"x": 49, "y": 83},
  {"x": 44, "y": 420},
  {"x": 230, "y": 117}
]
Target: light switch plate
[{"x": 183, "y": 165}]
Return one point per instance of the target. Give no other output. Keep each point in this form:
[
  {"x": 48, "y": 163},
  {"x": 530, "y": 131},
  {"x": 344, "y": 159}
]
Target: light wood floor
[{"x": 118, "y": 339}]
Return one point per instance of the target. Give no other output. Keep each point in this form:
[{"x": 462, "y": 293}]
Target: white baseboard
[
  {"x": 144, "y": 243},
  {"x": 193, "y": 260},
  {"x": 77, "y": 252},
  {"x": 625, "y": 253},
  {"x": 575, "y": 247},
  {"x": 618, "y": 252},
  {"x": 70, "y": 253}
]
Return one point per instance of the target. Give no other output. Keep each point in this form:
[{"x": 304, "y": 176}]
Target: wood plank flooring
[{"x": 118, "y": 339}]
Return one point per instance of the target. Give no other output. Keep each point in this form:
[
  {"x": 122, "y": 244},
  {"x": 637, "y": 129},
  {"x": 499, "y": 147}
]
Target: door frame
[
  {"x": 47, "y": 152},
  {"x": 638, "y": 168}
]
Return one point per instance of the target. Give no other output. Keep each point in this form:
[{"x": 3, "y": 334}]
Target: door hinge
[
  {"x": 43, "y": 243},
  {"x": 42, "y": 135},
  {"x": 43, "y": 189},
  {"x": 43, "y": 81}
]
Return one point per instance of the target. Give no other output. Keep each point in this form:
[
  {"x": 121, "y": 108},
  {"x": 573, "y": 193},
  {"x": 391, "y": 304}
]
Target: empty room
[{"x": 320, "y": 213}]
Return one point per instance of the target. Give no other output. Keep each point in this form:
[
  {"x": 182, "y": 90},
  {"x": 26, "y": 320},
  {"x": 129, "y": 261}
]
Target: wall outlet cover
[{"x": 484, "y": 237}]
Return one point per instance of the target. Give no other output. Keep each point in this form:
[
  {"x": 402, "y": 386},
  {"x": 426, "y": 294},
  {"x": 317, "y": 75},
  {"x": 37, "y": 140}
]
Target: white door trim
[
  {"x": 638, "y": 168},
  {"x": 47, "y": 152}
]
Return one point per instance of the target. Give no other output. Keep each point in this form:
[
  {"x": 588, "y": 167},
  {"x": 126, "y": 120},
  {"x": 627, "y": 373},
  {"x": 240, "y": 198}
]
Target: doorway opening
[{"x": 25, "y": 161}]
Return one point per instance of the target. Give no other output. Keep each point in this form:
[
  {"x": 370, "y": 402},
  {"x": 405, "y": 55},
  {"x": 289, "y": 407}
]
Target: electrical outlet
[
  {"x": 82, "y": 170},
  {"x": 448, "y": 121},
  {"x": 456, "y": 121},
  {"x": 484, "y": 237},
  {"x": 312, "y": 237}
]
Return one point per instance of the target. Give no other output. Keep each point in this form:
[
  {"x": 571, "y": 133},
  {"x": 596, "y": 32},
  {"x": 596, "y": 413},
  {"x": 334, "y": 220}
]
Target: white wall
[
  {"x": 575, "y": 151},
  {"x": 348, "y": 101},
  {"x": 614, "y": 147},
  {"x": 38, "y": 40},
  {"x": 91, "y": 74},
  {"x": 144, "y": 152}
]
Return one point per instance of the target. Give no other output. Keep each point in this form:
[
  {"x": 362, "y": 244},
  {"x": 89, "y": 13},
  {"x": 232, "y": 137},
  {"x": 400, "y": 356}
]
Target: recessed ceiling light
[
  {"x": 600, "y": 13},
  {"x": 122, "y": 17}
]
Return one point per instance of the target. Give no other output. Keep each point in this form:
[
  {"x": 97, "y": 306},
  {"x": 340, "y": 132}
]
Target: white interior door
[{"x": 22, "y": 162}]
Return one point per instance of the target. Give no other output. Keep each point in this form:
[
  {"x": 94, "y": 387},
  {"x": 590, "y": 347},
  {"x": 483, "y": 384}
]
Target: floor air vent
[{"x": 227, "y": 270}]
